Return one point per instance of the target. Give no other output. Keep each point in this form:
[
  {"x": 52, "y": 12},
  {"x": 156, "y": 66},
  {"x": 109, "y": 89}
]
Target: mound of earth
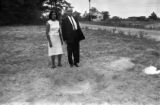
[{"x": 111, "y": 63}]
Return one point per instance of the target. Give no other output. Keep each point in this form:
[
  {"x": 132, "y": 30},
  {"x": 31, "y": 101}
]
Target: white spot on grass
[{"x": 151, "y": 70}]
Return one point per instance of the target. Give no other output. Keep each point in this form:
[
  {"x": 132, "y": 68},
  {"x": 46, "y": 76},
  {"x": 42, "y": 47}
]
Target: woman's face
[{"x": 53, "y": 16}]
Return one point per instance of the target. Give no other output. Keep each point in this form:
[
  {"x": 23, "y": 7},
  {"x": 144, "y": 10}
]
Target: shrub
[{"x": 142, "y": 34}]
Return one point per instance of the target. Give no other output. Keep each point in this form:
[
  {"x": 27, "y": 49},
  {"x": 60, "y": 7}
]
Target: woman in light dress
[{"x": 54, "y": 38}]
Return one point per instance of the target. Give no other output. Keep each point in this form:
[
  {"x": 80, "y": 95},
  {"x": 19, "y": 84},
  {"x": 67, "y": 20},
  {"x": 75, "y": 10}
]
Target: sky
[{"x": 121, "y": 8}]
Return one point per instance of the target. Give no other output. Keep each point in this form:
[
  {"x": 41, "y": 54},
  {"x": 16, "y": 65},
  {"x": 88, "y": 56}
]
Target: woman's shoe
[{"x": 60, "y": 65}]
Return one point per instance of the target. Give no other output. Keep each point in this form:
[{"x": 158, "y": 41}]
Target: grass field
[{"x": 110, "y": 70}]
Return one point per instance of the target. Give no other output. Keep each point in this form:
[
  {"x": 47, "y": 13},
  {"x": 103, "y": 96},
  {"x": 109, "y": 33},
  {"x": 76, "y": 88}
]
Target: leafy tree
[
  {"x": 105, "y": 15},
  {"x": 93, "y": 10},
  {"x": 0, "y": 5},
  {"x": 77, "y": 14},
  {"x": 19, "y": 11},
  {"x": 56, "y": 5},
  {"x": 153, "y": 16},
  {"x": 27, "y": 11},
  {"x": 141, "y": 18},
  {"x": 116, "y": 18},
  {"x": 133, "y": 18}
]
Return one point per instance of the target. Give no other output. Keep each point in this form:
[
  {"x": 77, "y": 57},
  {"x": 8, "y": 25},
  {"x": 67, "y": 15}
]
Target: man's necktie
[{"x": 74, "y": 25}]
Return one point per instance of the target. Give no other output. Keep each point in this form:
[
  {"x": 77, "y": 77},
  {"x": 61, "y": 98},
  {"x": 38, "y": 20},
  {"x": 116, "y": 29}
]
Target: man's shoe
[
  {"x": 71, "y": 65},
  {"x": 76, "y": 65},
  {"x": 53, "y": 66}
]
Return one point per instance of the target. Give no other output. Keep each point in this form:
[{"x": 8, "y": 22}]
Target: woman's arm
[
  {"x": 60, "y": 34},
  {"x": 47, "y": 34}
]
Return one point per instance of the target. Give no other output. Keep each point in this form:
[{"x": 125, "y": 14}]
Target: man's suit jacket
[{"x": 70, "y": 35}]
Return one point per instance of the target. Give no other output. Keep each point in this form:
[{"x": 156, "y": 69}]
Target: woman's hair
[{"x": 53, "y": 12}]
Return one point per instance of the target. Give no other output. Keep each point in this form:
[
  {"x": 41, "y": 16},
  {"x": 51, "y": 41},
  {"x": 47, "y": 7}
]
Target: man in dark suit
[{"x": 72, "y": 35}]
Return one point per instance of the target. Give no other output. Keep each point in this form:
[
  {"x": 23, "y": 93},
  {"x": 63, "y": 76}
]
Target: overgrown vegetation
[
  {"x": 111, "y": 69},
  {"x": 152, "y": 25}
]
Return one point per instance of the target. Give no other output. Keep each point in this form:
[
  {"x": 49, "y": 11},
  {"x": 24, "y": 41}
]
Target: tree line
[
  {"x": 106, "y": 16},
  {"x": 30, "y": 11},
  {"x": 27, "y": 11},
  {"x": 20, "y": 11}
]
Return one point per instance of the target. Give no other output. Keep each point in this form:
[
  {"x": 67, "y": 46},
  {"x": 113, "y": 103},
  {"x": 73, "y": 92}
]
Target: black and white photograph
[{"x": 79, "y": 52}]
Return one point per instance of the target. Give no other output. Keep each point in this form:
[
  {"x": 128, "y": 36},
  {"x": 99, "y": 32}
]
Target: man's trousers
[{"x": 73, "y": 53}]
